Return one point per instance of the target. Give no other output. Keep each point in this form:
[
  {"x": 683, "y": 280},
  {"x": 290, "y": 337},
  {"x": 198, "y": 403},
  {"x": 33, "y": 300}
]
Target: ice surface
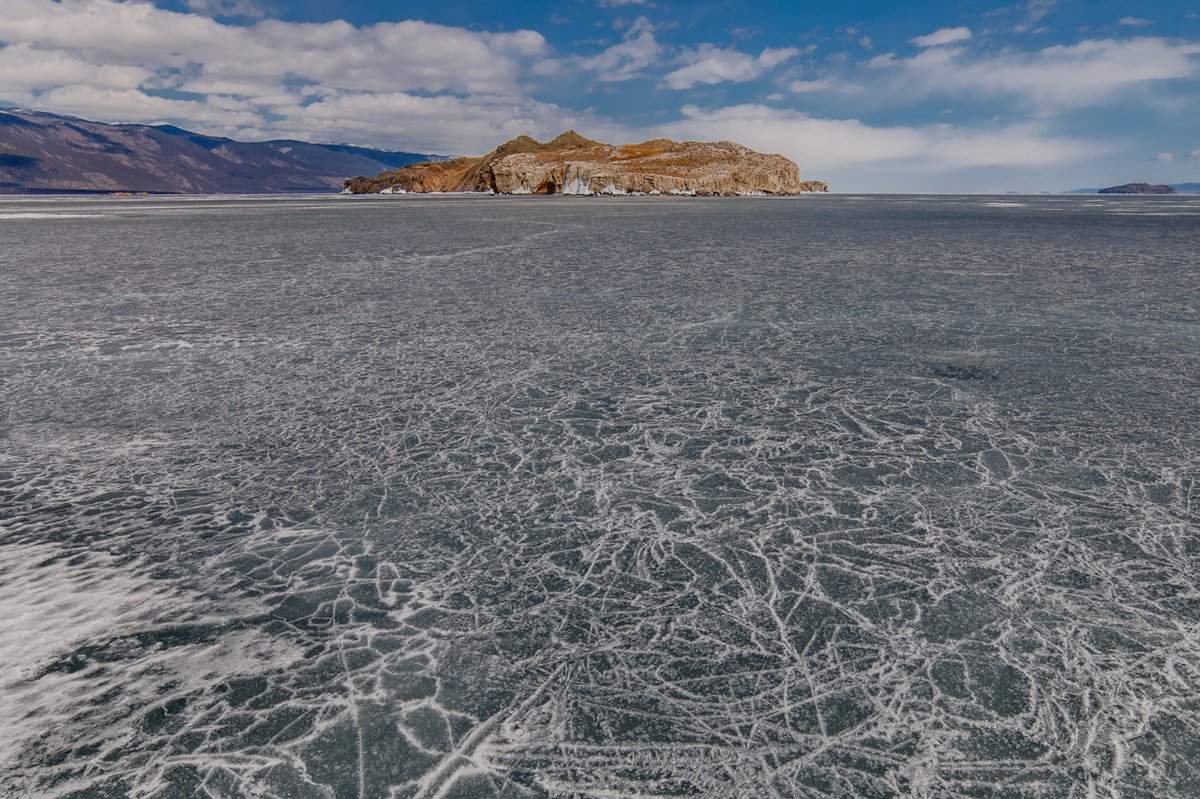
[
  {"x": 458, "y": 497},
  {"x": 38, "y": 215}
]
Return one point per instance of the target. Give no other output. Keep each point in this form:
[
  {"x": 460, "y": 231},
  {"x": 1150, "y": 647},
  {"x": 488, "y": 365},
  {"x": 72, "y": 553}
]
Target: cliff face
[{"x": 571, "y": 164}]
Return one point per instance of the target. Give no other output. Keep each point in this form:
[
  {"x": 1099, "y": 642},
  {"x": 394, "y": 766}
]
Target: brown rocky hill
[{"x": 571, "y": 164}]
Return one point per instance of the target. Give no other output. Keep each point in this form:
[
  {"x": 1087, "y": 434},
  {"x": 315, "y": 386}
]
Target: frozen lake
[{"x": 493, "y": 497}]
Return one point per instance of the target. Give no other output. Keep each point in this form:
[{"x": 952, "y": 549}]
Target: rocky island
[
  {"x": 1139, "y": 188},
  {"x": 572, "y": 164}
]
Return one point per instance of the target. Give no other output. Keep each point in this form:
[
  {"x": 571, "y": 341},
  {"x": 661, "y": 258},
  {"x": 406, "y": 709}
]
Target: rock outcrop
[
  {"x": 571, "y": 164},
  {"x": 1139, "y": 188}
]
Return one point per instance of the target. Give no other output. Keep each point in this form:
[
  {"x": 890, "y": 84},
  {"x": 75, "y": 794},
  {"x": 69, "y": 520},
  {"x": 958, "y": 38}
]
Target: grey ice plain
[{"x": 462, "y": 497}]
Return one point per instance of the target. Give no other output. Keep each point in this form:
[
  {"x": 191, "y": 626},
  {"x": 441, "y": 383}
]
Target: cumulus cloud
[
  {"x": 132, "y": 105},
  {"x": 443, "y": 124},
  {"x": 407, "y": 55},
  {"x": 817, "y": 85},
  {"x": 1053, "y": 78},
  {"x": 1035, "y": 11},
  {"x": 834, "y": 143},
  {"x": 838, "y": 143},
  {"x": 710, "y": 65},
  {"x": 625, "y": 61},
  {"x": 24, "y": 69},
  {"x": 942, "y": 36}
]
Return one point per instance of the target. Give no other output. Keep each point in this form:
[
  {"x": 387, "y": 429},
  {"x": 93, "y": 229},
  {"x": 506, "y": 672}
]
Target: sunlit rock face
[{"x": 571, "y": 164}]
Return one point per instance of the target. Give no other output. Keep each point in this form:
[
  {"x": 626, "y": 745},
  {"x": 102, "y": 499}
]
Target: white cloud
[
  {"x": 1135, "y": 22},
  {"x": 407, "y": 55},
  {"x": 626, "y": 60},
  {"x": 1053, "y": 78},
  {"x": 942, "y": 36},
  {"x": 131, "y": 105},
  {"x": 1165, "y": 157},
  {"x": 817, "y": 143},
  {"x": 1035, "y": 11},
  {"x": 805, "y": 86},
  {"x": 617, "y": 3},
  {"x": 710, "y": 65},
  {"x": 24, "y": 69},
  {"x": 115, "y": 32},
  {"x": 444, "y": 124}
]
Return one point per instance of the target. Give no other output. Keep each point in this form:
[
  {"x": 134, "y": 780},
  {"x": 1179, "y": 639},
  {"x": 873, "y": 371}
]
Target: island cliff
[{"x": 572, "y": 164}]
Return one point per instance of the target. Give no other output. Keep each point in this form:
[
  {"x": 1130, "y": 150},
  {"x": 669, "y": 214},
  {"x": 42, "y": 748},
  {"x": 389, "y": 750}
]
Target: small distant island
[
  {"x": 1139, "y": 188},
  {"x": 573, "y": 165}
]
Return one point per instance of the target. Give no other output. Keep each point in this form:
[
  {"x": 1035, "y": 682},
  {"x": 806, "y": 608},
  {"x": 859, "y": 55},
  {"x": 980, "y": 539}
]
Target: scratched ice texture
[{"x": 472, "y": 497}]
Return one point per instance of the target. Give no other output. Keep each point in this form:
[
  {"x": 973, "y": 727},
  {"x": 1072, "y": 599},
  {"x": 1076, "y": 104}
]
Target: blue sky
[{"x": 919, "y": 96}]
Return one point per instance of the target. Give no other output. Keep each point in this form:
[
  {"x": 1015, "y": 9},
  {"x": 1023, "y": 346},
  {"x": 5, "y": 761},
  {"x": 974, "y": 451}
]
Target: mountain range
[{"x": 41, "y": 152}]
